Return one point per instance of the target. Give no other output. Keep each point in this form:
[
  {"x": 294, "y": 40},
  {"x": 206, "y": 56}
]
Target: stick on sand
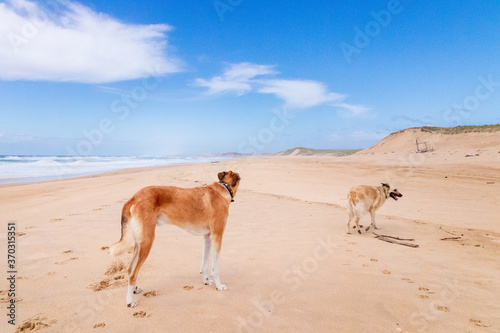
[{"x": 394, "y": 240}]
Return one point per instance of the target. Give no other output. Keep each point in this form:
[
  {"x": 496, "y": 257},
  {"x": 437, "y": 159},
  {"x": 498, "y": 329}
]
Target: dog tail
[{"x": 127, "y": 237}]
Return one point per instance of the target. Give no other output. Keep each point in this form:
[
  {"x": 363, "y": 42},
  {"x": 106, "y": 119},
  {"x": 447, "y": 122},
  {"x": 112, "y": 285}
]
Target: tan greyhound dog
[{"x": 199, "y": 210}]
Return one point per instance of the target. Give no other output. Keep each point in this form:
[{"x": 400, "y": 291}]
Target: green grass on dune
[{"x": 462, "y": 129}]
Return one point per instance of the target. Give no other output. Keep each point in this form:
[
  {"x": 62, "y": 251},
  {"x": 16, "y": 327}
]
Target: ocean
[{"x": 21, "y": 169}]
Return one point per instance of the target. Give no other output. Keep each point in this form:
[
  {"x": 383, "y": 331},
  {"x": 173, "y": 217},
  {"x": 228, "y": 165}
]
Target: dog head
[
  {"x": 230, "y": 178},
  {"x": 395, "y": 194}
]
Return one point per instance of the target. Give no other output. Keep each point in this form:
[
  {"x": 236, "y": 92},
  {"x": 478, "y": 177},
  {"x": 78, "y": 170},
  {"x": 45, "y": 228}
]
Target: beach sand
[{"x": 286, "y": 258}]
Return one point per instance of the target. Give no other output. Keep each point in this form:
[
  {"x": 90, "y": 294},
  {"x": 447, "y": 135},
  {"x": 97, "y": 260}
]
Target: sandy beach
[{"x": 286, "y": 258}]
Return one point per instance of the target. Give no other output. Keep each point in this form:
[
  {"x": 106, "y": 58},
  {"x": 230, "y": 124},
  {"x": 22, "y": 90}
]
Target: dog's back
[{"x": 363, "y": 198}]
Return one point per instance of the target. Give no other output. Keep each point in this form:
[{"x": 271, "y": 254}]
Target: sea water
[{"x": 20, "y": 169}]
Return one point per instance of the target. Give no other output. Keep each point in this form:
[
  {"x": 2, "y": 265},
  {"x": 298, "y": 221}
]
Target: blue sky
[{"x": 176, "y": 77}]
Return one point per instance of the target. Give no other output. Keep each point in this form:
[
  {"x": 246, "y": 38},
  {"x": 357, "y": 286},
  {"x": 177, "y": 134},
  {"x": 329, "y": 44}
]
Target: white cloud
[
  {"x": 66, "y": 41},
  {"x": 355, "y": 110},
  {"x": 297, "y": 94},
  {"x": 300, "y": 93},
  {"x": 237, "y": 78}
]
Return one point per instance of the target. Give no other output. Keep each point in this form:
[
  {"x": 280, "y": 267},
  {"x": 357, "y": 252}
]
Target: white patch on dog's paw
[
  {"x": 132, "y": 304},
  {"x": 221, "y": 287},
  {"x": 377, "y": 227},
  {"x": 137, "y": 290}
]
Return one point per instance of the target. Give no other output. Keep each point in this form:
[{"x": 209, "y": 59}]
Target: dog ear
[
  {"x": 386, "y": 185},
  {"x": 236, "y": 178},
  {"x": 221, "y": 175}
]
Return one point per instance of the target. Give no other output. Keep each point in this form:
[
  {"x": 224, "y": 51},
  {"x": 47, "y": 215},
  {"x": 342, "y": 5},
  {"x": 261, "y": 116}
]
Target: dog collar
[{"x": 228, "y": 189}]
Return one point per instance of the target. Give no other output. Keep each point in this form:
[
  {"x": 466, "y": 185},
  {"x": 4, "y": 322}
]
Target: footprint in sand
[
  {"x": 478, "y": 322},
  {"x": 98, "y": 286},
  {"x": 65, "y": 261},
  {"x": 116, "y": 267},
  {"x": 188, "y": 287},
  {"x": 96, "y": 209},
  {"x": 386, "y": 272},
  {"x": 34, "y": 324},
  {"x": 116, "y": 277},
  {"x": 443, "y": 308},
  {"x": 68, "y": 251},
  {"x": 151, "y": 293},
  {"x": 55, "y": 220},
  {"x": 99, "y": 325},
  {"x": 140, "y": 314},
  {"x": 407, "y": 280},
  {"x": 426, "y": 290},
  {"x": 104, "y": 248},
  {"x": 373, "y": 259}
]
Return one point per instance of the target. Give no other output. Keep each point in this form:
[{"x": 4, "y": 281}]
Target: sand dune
[
  {"x": 286, "y": 259},
  {"x": 472, "y": 143}
]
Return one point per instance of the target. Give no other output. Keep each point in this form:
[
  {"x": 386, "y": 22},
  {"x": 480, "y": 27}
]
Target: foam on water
[{"x": 18, "y": 169}]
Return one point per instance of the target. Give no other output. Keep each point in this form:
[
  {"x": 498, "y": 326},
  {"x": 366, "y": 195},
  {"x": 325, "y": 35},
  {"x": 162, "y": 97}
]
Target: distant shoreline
[{"x": 29, "y": 168}]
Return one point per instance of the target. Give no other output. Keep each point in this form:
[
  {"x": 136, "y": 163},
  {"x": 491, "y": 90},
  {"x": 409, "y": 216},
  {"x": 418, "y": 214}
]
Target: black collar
[{"x": 228, "y": 189}]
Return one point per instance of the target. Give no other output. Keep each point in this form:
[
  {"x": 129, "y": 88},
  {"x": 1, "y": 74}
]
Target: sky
[{"x": 171, "y": 77}]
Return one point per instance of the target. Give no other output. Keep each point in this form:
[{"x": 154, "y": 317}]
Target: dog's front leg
[
  {"x": 207, "y": 244},
  {"x": 215, "y": 263},
  {"x": 215, "y": 272}
]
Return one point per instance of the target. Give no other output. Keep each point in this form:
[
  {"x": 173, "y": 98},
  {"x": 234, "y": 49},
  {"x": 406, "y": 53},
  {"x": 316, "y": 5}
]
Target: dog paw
[
  {"x": 368, "y": 228},
  {"x": 137, "y": 290},
  {"x": 208, "y": 282},
  {"x": 359, "y": 232},
  {"x": 377, "y": 227},
  {"x": 132, "y": 304},
  {"x": 221, "y": 287}
]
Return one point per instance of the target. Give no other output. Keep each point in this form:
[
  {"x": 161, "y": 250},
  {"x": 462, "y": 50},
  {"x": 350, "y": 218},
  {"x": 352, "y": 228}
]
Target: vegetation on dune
[{"x": 461, "y": 129}]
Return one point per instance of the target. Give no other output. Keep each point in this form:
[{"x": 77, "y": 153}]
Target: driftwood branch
[
  {"x": 393, "y": 237},
  {"x": 395, "y": 240},
  {"x": 450, "y": 238}
]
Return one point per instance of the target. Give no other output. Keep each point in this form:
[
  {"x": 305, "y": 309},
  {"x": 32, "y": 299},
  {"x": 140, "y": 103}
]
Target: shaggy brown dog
[{"x": 364, "y": 198}]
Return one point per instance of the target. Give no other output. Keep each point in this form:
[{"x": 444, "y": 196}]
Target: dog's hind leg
[
  {"x": 144, "y": 240},
  {"x": 356, "y": 220},
  {"x": 351, "y": 215},
  {"x": 207, "y": 244},
  {"x": 374, "y": 224}
]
